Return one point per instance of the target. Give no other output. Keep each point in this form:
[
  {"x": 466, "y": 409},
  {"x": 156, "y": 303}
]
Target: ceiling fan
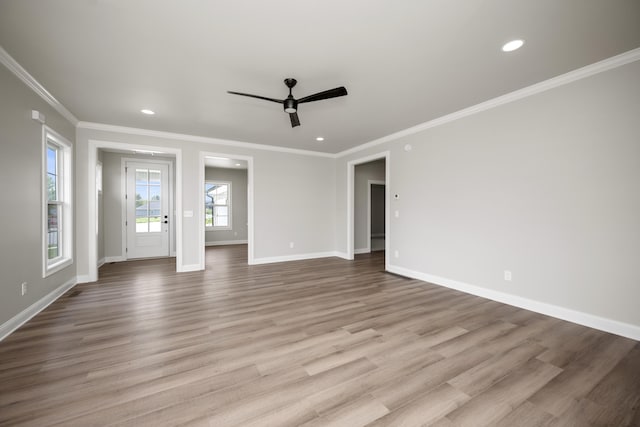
[{"x": 291, "y": 104}]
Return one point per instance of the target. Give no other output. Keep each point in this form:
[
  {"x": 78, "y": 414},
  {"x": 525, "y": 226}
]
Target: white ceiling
[{"x": 403, "y": 62}]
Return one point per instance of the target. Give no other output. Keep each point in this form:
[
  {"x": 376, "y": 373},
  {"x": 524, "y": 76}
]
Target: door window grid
[{"x": 148, "y": 201}]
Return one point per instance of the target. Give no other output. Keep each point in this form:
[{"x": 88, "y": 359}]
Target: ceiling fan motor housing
[{"x": 290, "y": 105}]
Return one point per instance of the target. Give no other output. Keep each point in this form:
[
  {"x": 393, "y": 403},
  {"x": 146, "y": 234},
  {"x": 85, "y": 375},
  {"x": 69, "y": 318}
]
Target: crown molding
[
  {"x": 201, "y": 139},
  {"x": 17, "y": 69},
  {"x": 563, "y": 79}
]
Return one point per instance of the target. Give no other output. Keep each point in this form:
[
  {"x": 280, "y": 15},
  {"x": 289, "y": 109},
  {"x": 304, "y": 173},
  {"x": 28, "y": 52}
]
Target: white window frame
[
  {"x": 64, "y": 200},
  {"x": 229, "y": 206}
]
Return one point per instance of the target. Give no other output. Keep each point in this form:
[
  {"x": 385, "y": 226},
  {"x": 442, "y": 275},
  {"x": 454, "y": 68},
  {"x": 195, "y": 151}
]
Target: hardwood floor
[{"x": 323, "y": 342}]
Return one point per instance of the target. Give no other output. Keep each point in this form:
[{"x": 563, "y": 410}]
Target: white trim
[
  {"x": 109, "y": 259},
  {"x": 17, "y": 69},
  {"x": 201, "y": 226},
  {"x": 92, "y": 239},
  {"x": 66, "y": 234},
  {"x": 362, "y": 250},
  {"x": 371, "y": 182},
  {"x": 101, "y": 262},
  {"x": 386, "y": 155},
  {"x": 202, "y": 139},
  {"x": 554, "y": 82},
  {"x": 226, "y": 242},
  {"x": 296, "y": 257},
  {"x": 25, "y": 315},
  {"x": 189, "y": 267},
  {"x": 342, "y": 255},
  {"x": 604, "y": 324}
]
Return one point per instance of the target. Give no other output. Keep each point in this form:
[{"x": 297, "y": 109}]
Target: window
[
  {"x": 57, "y": 225},
  {"x": 217, "y": 205}
]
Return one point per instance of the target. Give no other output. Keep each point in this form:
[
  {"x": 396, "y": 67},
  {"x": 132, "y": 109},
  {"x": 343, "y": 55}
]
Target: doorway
[
  {"x": 374, "y": 168},
  {"x": 376, "y": 215},
  {"x": 226, "y": 211},
  {"x": 147, "y": 209}
]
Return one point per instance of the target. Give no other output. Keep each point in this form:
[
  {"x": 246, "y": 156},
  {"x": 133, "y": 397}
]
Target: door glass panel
[
  {"x": 142, "y": 176},
  {"x": 148, "y": 201},
  {"x": 154, "y": 177}
]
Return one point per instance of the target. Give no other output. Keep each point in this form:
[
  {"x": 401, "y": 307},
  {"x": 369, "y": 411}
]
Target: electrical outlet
[
  {"x": 291, "y": 245},
  {"x": 507, "y": 275},
  {"x": 396, "y": 253},
  {"x": 23, "y": 288}
]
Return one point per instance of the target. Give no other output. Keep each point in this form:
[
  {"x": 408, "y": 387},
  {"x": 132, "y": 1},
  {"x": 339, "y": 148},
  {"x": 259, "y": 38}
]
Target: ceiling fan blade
[
  {"x": 331, "y": 93},
  {"x": 279, "y": 101},
  {"x": 295, "y": 121}
]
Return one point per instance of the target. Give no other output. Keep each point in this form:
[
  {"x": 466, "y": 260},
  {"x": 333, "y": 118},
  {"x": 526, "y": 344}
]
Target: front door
[{"x": 147, "y": 203}]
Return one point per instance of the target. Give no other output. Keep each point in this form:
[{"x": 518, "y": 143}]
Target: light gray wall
[
  {"x": 363, "y": 173},
  {"x": 294, "y": 196},
  {"x": 21, "y": 215},
  {"x": 547, "y": 187},
  {"x": 238, "y": 179},
  {"x": 112, "y": 194},
  {"x": 377, "y": 210}
]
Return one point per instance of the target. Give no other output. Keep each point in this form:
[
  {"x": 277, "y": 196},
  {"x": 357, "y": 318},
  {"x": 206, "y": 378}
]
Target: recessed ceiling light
[
  {"x": 319, "y": 139},
  {"x": 147, "y": 112},
  {"x": 238, "y": 164},
  {"x": 512, "y": 45}
]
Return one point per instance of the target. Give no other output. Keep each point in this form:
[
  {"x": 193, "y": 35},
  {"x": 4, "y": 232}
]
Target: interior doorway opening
[
  {"x": 368, "y": 206},
  {"x": 226, "y": 212}
]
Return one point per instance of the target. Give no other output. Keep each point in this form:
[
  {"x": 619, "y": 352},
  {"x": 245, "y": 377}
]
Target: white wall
[
  {"x": 362, "y": 174},
  {"x": 239, "y": 218},
  {"x": 547, "y": 187},
  {"x": 294, "y": 195}
]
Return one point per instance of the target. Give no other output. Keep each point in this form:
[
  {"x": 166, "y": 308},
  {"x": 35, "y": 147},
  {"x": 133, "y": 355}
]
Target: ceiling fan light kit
[{"x": 290, "y": 104}]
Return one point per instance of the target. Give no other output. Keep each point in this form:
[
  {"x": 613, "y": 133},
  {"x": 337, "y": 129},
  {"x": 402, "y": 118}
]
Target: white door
[{"x": 148, "y": 216}]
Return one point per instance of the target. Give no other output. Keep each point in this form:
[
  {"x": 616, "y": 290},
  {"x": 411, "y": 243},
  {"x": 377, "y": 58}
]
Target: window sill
[
  {"x": 218, "y": 228},
  {"x": 59, "y": 265}
]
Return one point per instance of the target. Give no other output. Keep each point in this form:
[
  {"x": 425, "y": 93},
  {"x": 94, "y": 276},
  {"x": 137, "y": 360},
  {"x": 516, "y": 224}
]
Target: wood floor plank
[{"x": 316, "y": 342}]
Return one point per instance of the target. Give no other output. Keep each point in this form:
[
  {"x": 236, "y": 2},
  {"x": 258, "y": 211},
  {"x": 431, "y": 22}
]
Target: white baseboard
[
  {"x": 579, "y": 317},
  {"x": 25, "y": 315},
  {"x": 296, "y": 257},
  {"x": 118, "y": 258},
  {"x": 101, "y": 262},
  {"x": 342, "y": 255},
  {"x": 188, "y": 267},
  {"x": 361, "y": 251},
  {"x": 226, "y": 242}
]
